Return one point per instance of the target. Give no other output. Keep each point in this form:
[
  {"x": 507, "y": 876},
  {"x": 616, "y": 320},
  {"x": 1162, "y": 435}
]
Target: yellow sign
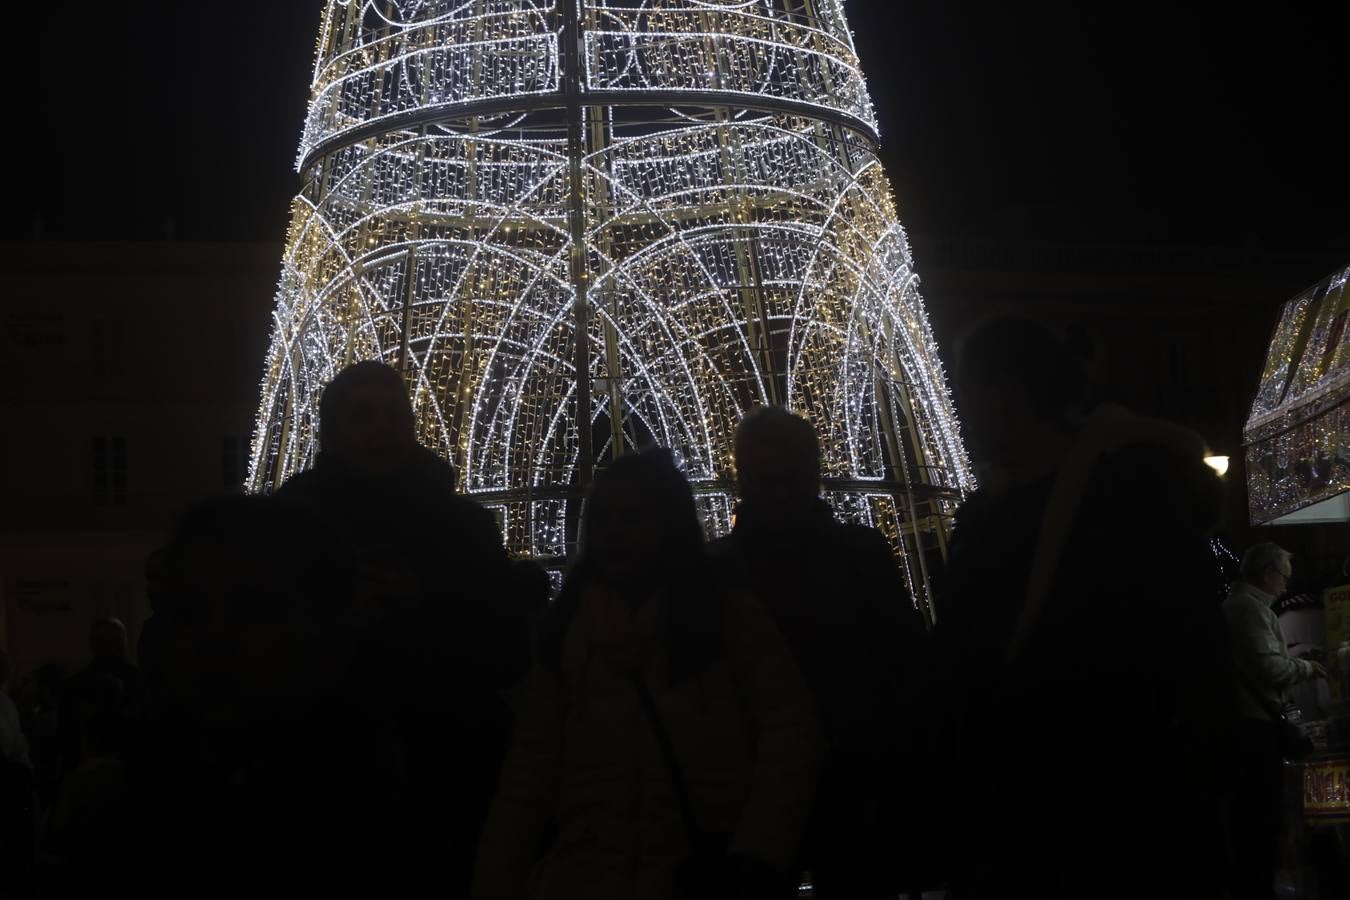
[
  {"x": 1326, "y": 790},
  {"x": 1336, "y": 602}
]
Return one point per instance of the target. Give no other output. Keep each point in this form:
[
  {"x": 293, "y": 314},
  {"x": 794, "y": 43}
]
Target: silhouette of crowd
[{"x": 350, "y": 689}]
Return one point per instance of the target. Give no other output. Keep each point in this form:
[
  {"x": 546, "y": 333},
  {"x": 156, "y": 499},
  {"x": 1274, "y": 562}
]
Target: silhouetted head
[
  {"x": 108, "y": 641},
  {"x": 777, "y": 462},
  {"x": 366, "y": 419},
  {"x": 1013, "y": 378},
  {"x": 642, "y": 538},
  {"x": 641, "y": 523}
]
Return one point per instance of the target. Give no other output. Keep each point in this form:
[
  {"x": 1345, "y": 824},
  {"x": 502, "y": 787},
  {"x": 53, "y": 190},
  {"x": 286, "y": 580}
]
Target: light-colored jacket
[
  {"x": 744, "y": 730},
  {"x": 1265, "y": 668}
]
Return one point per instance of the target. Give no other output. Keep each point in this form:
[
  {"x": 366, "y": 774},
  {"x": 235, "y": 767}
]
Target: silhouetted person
[
  {"x": 640, "y": 615},
  {"x": 150, "y": 645},
  {"x": 1081, "y": 666},
  {"x": 1265, "y": 673},
  {"x": 836, "y": 593},
  {"x": 17, "y": 795},
  {"x": 88, "y": 825},
  {"x": 107, "y": 660},
  {"x": 40, "y": 704},
  {"x": 13, "y": 744},
  {"x": 109, "y": 656},
  {"x": 418, "y": 546},
  {"x": 534, "y": 588},
  {"x": 253, "y": 770},
  {"x": 445, "y": 632}
]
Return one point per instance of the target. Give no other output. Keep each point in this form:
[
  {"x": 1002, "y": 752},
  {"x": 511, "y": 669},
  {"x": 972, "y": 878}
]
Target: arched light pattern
[{"x": 691, "y": 185}]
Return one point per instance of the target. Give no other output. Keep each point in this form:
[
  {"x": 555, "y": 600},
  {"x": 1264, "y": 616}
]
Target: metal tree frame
[{"x": 690, "y": 185}]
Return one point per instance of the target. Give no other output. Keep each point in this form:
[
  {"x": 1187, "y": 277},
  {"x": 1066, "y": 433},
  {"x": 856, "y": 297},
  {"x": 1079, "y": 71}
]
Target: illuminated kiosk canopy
[
  {"x": 1298, "y": 435},
  {"x": 692, "y": 186}
]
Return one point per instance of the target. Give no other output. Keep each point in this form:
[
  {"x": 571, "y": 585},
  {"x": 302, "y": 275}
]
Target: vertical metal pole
[
  {"x": 899, "y": 467},
  {"x": 410, "y": 293},
  {"x": 603, "y": 204},
  {"x": 405, "y": 315},
  {"x": 579, "y": 263},
  {"x": 287, "y": 423},
  {"x": 920, "y": 460}
]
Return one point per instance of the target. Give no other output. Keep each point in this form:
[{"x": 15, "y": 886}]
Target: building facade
[{"x": 128, "y": 382}]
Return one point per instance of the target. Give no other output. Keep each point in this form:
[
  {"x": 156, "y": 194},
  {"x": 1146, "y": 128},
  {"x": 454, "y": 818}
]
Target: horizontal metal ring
[{"x": 628, "y": 98}]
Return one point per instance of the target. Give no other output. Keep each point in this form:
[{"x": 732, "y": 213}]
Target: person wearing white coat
[{"x": 1265, "y": 673}]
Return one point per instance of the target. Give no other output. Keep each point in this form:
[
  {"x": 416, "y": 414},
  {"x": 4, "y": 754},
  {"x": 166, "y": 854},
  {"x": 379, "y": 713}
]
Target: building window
[
  {"x": 36, "y": 330},
  {"x": 231, "y": 463},
  {"x": 109, "y": 459}
]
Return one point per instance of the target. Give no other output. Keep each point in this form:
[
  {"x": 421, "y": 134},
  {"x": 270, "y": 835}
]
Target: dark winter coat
[
  {"x": 837, "y": 594},
  {"x": 413, "y": 520},
  {"x": 1080, "y": 674},
  {"x": 431, "y": 672}
]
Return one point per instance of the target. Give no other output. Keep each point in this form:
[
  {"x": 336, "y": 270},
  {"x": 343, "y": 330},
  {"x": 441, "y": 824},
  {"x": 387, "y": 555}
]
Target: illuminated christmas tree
[{"x": 690, "y": 185}]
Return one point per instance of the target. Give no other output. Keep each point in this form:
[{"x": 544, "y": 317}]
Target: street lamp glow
[{"x": 1218, "y": 463}]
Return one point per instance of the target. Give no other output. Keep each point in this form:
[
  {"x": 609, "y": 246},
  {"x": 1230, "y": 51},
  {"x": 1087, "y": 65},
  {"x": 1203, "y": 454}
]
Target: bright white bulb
[{"x": 1218, "y": 463}]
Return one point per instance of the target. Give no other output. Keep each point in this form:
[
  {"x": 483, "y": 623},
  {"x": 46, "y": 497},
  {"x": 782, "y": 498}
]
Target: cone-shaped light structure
[{"x": 583, "y": 226}]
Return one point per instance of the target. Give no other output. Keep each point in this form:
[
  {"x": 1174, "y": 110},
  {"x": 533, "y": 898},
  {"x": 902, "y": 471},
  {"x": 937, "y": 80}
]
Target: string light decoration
[
  {"x": 1298, "y": 435},
  {"x": 690, "y": 187}
]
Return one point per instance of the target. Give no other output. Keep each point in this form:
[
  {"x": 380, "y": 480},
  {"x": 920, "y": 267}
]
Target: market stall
[{"x": 1297, "y": 446}]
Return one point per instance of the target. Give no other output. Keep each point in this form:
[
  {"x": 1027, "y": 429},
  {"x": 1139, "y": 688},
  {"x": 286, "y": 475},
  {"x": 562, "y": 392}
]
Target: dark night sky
[{"x": 1062, "y": 120}]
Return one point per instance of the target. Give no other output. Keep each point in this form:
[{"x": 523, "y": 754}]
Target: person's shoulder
[
  {"x": 1151, "y": 470},
  {"x": 1152, "y": 459},
  {"x": 1150, "y": 448},
  {"x": 431, "y": 470},
  {"x": 469, "y": 511},
  {"x": 976, "y": 504},
  {"x": 471, "y": 527},
  {"x": 858, "y": 534},
  {"x": 862, "y": 543},
  {"x": 434, "y": 477},
  {"x": 1244, "y": 604}
]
